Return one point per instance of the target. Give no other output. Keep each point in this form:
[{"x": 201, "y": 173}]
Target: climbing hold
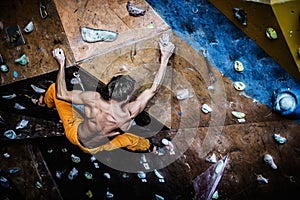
[
  {"x": 109, "y": 195},
  {"x": 29, "y": 27},
  {"x": 134, "y": 10},
  {"x": 10, "y": 134},
  {"x": 280, "y": 139},
  {"x": 125, "y": 175},
  {"x": 215, "y": 195},
  {"x": 206, "y": 109},
  {"x": 89, "y": 194},
  {"x": 15, "y": 74},
  {"x": 298, "y": 52},
  {"x": 50, "y": 150},
  {"x": 261, "y": 179},
  {"x": 38, "y": 185},
  {"x": 106, "y": 175},
  {"x": 88, "y": 175},
  {"x": 93, "y": 158},
  {"x": 271, "y": 33},
  {"x": 4, "y": 68},
  {"x": 22, "y": 124},
  {"x": 212, "y": 158},
  {"x": 13, "y": 170},
  {"x": 75, "y": 159},
  {"x": 240, "y": 15},
  {"x": 37, "y": 89},
  {"x": 269, "y": 161},
  {"x": 19, "y": 106},
  {"x": 73, "y": 173},
  {"x": 22, "y": 60},
  {"x": 11, "y": 96},
  {"x": 158, "y": 197},
  {"x": 238, "y": 85},
  {"x": 158, "y": 175},
  {"x": 238, "y": 66},
  {"x": 237, "y": 114},
  {"x": 58, "y": 174},
  {"x": 97, "y": 35},
  {"x": 285, "y": 101},
  {"x": 184, "y": 94}
]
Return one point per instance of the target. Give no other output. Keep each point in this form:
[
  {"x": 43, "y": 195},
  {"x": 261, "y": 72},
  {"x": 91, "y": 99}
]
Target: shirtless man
[{"x": 106, "y": 122}]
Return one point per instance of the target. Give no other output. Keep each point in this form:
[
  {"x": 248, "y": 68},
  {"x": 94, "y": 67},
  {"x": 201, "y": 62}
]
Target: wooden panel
[
  {"x": 47, "y": 35},
  {"x": 107, "y": 15}
]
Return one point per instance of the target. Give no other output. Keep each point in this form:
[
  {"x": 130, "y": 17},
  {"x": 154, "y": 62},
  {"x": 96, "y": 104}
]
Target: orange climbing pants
[{"x": 71, "y": 119}]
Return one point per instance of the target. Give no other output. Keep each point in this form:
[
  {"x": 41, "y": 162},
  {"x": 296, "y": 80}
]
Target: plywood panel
[
  {"x": 107, "y": 15},
  {"x": 47, "y": 35}
]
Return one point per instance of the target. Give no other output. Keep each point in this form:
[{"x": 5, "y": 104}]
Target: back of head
[{"x": 120, "y": 87}]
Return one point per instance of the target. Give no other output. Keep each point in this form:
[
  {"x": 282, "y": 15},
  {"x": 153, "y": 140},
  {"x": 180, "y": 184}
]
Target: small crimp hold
[{"x": 29, "y": 27}]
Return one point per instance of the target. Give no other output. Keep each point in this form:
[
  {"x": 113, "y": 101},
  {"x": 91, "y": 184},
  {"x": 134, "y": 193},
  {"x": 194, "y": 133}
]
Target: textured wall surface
[{"x": 206, "y": 29}]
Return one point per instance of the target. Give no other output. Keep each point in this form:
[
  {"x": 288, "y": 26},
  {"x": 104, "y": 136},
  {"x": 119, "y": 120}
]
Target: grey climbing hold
[
  {"x": 97, "y": 35},
  {"x": 134, "y": 11},
  {"x": 29, "y": 27}
]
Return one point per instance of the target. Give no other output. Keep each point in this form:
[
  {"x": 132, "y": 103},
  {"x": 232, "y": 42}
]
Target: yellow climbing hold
[
  {"x": 238, "y": 85},
  {"x": 271, "y": 33},
  {"x": 239, "y": 115},
  {"x": 238, "y": 66}
]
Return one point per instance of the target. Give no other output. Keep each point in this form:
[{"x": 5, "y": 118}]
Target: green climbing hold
[{"x": 271, "y": 33}]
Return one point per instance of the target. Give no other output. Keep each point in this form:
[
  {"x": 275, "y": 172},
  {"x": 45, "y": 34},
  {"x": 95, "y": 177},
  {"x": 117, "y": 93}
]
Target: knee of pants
[{"x": 121, "y": 141}]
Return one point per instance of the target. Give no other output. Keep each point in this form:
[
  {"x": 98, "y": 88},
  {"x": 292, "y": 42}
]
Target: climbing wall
[
  {"x": 283, "y": 16},
  {"x": 47, "y": 34},
  {"x": 107, "y": 15}
]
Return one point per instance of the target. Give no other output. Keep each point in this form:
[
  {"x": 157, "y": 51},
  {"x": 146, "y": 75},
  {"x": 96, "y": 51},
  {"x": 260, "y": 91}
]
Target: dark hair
[{"x": 120, "y": 87}]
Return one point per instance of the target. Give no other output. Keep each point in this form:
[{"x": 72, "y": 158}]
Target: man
[{"x": 105, "y": 122}]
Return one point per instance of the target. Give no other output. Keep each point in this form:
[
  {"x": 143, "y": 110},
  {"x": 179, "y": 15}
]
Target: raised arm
[
  {"x": 167, "y": 49},
  {"x": 74, "y": 96}
]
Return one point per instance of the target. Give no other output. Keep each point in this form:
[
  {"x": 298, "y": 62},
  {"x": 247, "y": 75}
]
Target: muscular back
[{"x": 103, "y": 119}]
